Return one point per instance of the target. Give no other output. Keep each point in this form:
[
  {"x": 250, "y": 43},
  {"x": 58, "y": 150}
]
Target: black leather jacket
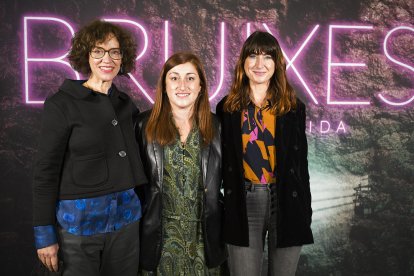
[{"x": 151, "y": 222}]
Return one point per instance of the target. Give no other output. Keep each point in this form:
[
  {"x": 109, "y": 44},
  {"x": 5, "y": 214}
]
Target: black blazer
[
  {"x": 87, "y": 148},
  {"x": 151, "y": 222},
  {"x": 294, "y": 212}
]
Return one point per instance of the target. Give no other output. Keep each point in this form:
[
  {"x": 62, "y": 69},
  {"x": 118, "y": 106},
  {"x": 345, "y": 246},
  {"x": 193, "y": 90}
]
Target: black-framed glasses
[{"x": 98, "y": 52}]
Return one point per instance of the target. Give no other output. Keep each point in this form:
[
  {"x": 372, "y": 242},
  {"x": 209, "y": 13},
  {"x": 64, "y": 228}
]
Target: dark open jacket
[
  {"x": 151, "y": 222},
  {"x": 294, "y": 212},
  {"x": 87, "y": 148}
]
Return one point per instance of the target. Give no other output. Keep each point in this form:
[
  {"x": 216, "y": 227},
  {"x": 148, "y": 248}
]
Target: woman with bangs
[
  {"x": 265, "y": 167},
  {"x": 179, "y": 141}
]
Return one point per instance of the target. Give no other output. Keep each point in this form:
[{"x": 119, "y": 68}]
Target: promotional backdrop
[{"x": 351, "y": 62}]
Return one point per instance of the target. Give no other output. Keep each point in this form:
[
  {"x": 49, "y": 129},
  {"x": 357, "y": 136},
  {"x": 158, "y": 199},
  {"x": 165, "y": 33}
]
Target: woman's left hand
[{"x": 49, "y": 256}]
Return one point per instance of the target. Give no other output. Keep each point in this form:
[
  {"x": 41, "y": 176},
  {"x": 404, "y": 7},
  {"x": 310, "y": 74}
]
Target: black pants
[{"x": 115, "y": 253}]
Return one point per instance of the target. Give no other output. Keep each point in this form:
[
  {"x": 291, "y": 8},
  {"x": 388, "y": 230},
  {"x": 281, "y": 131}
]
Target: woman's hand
[{"x": 48, "y": 256}]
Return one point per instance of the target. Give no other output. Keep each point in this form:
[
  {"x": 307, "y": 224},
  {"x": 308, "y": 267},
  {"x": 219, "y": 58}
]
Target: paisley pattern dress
[{"x": 182, "y": 199}]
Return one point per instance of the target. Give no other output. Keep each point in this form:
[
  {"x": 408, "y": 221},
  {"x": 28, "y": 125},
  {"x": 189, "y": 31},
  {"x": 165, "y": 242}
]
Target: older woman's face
[
  {"x": 259, "y": 68},
  {"x": 183, "y": 86},
  {"x": 105, "y": 68}
]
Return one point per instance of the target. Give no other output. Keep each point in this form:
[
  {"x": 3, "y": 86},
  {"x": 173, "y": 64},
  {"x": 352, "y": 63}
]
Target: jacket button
[
  {"x": 230, "y": 169},
  {"x": 228, "y": 191},
  {"x": 122, "y": 153},
  {"x": 114, "y": 122},
  {"x": 294, "y": 194},
  {"x": 296, "y": 147},
  {"x": 205, "y": 190},
  {"x": 292, "y": 171}
]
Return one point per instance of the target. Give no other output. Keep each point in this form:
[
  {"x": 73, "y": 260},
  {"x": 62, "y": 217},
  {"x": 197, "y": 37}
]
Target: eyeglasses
[{"x": 98, "y": 52}]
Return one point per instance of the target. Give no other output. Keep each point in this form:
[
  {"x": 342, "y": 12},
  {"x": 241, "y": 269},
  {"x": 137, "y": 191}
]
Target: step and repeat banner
[{"x": 351, "y": 62}]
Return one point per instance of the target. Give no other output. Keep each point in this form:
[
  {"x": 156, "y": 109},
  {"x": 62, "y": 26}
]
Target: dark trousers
[{"x": 115, "y": 253}]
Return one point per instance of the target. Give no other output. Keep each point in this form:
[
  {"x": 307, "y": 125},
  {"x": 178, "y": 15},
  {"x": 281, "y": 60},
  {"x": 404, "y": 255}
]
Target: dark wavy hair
[
  {"x": 281, "y": 94},
  {"x": 160, "y": 127},
  {"x": 98, "y": 32}
]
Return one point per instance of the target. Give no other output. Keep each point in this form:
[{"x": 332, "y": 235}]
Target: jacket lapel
[
  {"x": 237, "y": 138},
  {"x": 282, "y": 139},
  {"x": 158, "y": 154},
  {"x": 205, "y": 153}
]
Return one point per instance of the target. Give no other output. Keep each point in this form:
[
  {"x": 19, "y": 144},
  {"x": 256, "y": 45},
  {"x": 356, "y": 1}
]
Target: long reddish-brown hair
[
  {"x": 280, "y": 93},
  {"x": 161, "y": 127}
]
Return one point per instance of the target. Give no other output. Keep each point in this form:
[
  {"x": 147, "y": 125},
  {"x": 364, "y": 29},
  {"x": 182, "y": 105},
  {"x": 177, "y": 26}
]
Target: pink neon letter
[
  {"x": 248, "y": 30},
  {"x": 290, "y": 61},
  {"x": 166, "y": 41},
  {"x": 28, "y": 59},
  {"x": 338, "y": 64},
  {"x": 221, "y": 63},
  {"x": 397, "y": 62},
  {"x": 144, "y": 32}
]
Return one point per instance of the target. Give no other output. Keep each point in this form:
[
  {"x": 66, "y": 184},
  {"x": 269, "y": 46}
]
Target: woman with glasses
[
  {"x": 179, "y": 141},
  {"x": 86, "y": 213},
  {"x": 265, "y": 167}
]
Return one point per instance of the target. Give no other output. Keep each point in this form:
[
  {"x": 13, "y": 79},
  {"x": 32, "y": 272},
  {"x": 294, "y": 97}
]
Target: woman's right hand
[{"x": 49, "y": 256}]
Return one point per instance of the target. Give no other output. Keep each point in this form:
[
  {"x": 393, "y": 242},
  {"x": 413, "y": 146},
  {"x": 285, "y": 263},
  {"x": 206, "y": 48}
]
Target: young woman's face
[
  {"x": 259, "y": 68},
  {"x": 105, "y": 68},
  {"x": 183, "y": 86}
]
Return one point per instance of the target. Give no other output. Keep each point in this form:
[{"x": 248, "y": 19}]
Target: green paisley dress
[{"x": 182, "y": 199}]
